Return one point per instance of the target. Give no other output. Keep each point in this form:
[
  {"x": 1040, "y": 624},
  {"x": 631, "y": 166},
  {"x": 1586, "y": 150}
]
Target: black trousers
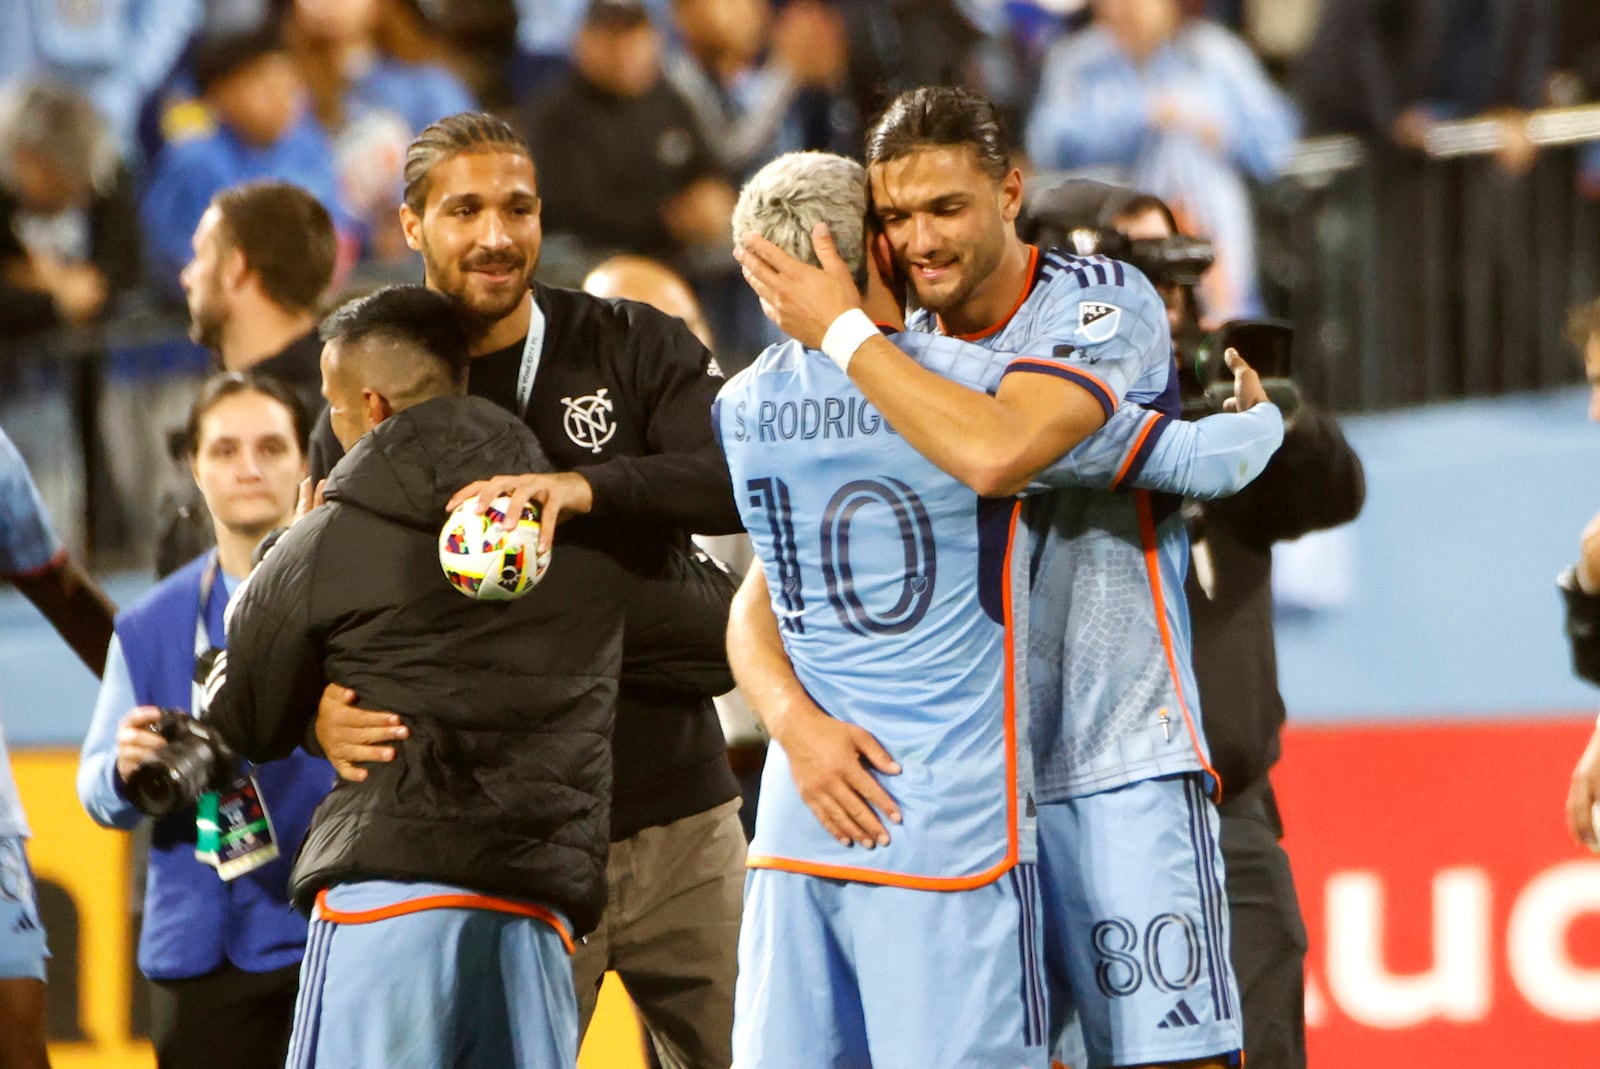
[
  {"x": 1269, "y": 936},
  {"x": 227, "y": 1018}
]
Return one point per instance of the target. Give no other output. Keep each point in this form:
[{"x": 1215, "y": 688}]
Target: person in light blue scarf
[{"x": 1180, "y": 108}]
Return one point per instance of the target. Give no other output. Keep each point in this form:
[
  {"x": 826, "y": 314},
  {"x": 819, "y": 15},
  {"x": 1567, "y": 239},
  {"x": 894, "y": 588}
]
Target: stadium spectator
[
  {"x": 118, "y": 52},
  {"x": 619, "y": 396},
  {"x": 1580, "y": 589},
  {"x": 545, "y": 32},
  {"x": 263, "y": 261},
  {"x": 375, "y": 83},
  {"x": 759, "y": 82},
  {"x": 69, "y": 236},
  {"x": 1113, "y": 734},
  {"x": 222, "y": 952},
  {"x": 262, "y": 130},
  {"x": 447, "y": 887},
  {"x": 1180, "y": 107},
  {"x": 628, "y": 170},
  {"x": 1389, "y": 70},
  {"x": 33, "y": 558},
  {"x": 69, "y": 249}
]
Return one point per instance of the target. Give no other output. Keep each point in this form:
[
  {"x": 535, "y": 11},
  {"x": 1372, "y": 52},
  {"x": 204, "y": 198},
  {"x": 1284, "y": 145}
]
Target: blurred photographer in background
[
  {"x": 1313, "y": 482},
  {"x": 219, "y": 941}
]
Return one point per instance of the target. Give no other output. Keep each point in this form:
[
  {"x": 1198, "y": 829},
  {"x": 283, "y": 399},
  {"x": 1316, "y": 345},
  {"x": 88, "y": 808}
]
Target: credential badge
[
  {"x": 1097, "y": 320},
  {"x": 588, "y": 420}
]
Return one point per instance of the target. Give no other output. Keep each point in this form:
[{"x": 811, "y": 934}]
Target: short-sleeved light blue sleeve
[
  {"x": 1099, "y": 323},
  {"x": 28, "y": 543}
]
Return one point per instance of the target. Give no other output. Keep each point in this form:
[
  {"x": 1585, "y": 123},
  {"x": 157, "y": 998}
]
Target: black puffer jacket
[{"x": 503, "y": 785}]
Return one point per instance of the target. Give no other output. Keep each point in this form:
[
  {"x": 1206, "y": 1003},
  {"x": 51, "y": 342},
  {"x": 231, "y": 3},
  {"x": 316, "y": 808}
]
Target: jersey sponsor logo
[
  {"x": 588, "y": 420},
  {"x": 1098, "y": 321}
]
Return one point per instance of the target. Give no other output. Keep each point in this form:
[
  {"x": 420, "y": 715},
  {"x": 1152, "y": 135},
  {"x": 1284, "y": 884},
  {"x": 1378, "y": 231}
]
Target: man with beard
[
  {"x": 1136, "y": 935},
  {"x": 264, "y": 255},
  {"x": 619, "y": 395}
]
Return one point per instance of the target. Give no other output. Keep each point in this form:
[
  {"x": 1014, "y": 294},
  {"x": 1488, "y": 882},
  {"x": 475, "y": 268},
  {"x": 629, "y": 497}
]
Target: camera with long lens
[
  {"x": 194, "y": 761},
  {"x": 1080, "y": 216}
]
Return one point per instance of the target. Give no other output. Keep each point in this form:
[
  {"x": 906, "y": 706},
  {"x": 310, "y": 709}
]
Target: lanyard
[
  {"x": 532, "y": 353},
  {"x": 202, "y": 632}
]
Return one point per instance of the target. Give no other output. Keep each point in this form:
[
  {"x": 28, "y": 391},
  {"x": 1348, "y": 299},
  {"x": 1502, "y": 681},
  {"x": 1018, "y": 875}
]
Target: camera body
[
  {"x": 194, "y": 761},
  {"x": 1204, "y": 376}
]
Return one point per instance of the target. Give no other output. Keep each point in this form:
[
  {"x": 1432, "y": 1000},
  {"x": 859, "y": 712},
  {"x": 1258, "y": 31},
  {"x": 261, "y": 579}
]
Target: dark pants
[
  {"x": 1269, "y": 937},
  {"x": 229, "y": 1017}
]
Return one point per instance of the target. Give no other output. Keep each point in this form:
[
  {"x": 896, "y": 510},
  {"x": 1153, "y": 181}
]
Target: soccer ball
[{"x": 485, "y": 561}]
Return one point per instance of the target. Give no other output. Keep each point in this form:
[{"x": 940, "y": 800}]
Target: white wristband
[{"x": 845, "y": 335}]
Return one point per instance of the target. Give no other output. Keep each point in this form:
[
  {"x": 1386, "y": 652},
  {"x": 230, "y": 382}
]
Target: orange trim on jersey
[
  {"x": 462, "y": 901},
  {"x": 1032, "y": 365},
  {"x": 1033, "y": 268},
  {"x": 1133, "y": 454},
  {"x": 1147, "y": 536},
  {"x": 944, "y": 883}
]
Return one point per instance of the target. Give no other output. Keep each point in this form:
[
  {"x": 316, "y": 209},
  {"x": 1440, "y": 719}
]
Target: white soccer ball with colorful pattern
[{"x": 485, "y": 561}]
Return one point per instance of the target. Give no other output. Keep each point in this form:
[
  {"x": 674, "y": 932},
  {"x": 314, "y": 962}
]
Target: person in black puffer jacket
[{"x": 467, "y": 864}]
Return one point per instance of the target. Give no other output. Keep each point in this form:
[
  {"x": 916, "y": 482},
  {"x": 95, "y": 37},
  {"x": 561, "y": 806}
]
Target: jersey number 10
[{"x": 838, "y": 578}]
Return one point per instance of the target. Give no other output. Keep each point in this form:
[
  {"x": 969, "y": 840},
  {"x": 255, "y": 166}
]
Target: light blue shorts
[
  {"x": 844, "y": 974},
  {"x": 22, "y": 949},
  {"x": 467, "y": 988},
  {"x": 1136, "y": 926}
]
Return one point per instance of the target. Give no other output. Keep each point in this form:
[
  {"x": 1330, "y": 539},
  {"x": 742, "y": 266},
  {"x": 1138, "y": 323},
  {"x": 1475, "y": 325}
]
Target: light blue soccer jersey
[
  {"x": 796, "y": 432},
  {"x": 27, "y": 545},
  {"x": 1110, "y": 676},
  {"x": 889, "y": 582}
]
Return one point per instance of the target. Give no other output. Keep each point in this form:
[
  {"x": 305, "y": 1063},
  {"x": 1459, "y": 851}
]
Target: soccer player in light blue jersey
[
  {"x": 33, "y": 558},
  {"x": 885, "y": 593},
  {"x": 1135, "y": 915}
]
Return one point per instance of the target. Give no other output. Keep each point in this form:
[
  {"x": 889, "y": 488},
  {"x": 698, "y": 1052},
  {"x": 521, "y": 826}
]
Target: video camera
[
  {"x": 1169, "y": 261},
  {"x": 1080, "y": 216}
]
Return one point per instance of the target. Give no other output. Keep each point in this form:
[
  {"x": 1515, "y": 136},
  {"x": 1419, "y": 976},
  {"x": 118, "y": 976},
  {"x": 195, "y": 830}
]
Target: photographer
[
  {"x": 220, "y": 945},
  {"x": 1314, "y": 481}
]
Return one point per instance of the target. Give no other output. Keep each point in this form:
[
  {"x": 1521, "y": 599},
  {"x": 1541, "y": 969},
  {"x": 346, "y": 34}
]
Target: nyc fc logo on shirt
[
  {"x": 588, "y": 420},
  {"x": 1098, "y": 321}
]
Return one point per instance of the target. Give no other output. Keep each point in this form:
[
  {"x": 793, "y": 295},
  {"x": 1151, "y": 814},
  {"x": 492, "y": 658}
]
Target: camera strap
[
  {"x": 208, "y": 631},
  {"x": 233, "y": 830}
]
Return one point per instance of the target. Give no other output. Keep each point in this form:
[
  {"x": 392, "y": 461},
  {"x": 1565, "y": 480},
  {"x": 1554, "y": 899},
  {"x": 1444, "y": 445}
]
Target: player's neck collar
[{"x": 1031, "y": 277}]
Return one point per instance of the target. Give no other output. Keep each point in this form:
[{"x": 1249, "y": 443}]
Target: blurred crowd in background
[{"x": 121, "y": 119}]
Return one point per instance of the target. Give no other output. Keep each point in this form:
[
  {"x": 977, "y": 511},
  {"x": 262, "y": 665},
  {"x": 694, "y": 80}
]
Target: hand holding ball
[{"x": 485, "y": 561}]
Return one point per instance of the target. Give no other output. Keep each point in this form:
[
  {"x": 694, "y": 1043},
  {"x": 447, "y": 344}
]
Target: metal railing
[{"x": 1416, "y": 277}]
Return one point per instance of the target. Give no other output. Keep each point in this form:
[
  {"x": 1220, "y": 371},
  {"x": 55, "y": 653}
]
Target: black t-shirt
[{"x": 623, "y": 395}]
